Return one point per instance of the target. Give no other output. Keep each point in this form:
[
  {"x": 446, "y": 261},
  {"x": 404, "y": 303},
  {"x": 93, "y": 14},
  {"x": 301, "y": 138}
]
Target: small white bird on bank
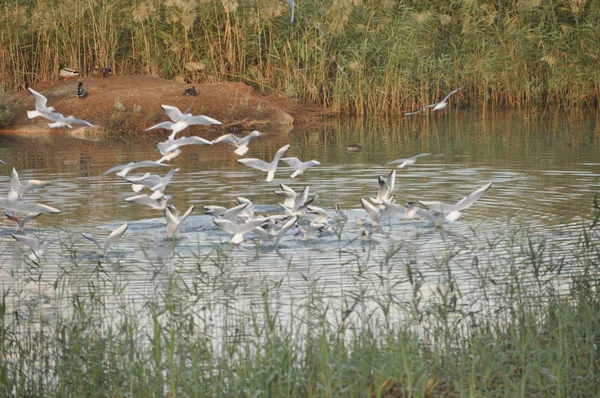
[
  {"x": 299, "y": 166},
  {"x": 112, "y": 238},
  {"x": 412, "y": 160},
  {"x": 181, "y": 121},
  {"x": 240, "y": 143},
  {"x": 173, "y": 222},
  {"x": 261, "y": 165}
]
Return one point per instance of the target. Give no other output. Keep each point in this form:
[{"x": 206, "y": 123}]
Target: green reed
[
  {"x": 526, "y": 324},
  {"x": 354, "y": 56}
]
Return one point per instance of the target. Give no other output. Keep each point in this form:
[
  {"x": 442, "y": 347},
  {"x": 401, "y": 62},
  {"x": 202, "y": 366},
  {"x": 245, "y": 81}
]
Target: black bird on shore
[{"x": 81, "y": 93}]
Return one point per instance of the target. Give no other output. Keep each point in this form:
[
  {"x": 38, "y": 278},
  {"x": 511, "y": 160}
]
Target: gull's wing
[
  {"x": 33, "y": 243},
  {"x": 26, "y": 207},
  {"x": 252, "y": 135},
  {"x": 263, "y": 236},
  {"x": 450, "y": 94},
  {"x": 393, "y": 207},
  {"x": 421, "y": 154},
  {"x": 255, "y": 164},
  {"x": 114, "y": 236},
  {"x": 172, "y": 112},
  {"x": 15, "y": 183},
  {"x": 280, "y": 153},
  {"x": 286, "y": 227},
  {"x": 192, "y": 140},
  {"x": 292, "y": 162},
  {"x": 72, "y": 119},
  {"x": 234, "y": 211},
  {"x": 373, "y": 213},
  {"x": 301, "y": 199},
  {"x": 401, "y": 160},
  {"x": 228, "y": 138},
  {"x": 391, "y": 181},
  {"x": 468, "y": 201},
  {"x": 163, "y": 125},
  {"x": 117, "y": 168},
  {"x": 201, "y": 119},
  {"x": 170, "y": 156},
  {"x": 92, "y": 239},
  {"x": 40, "y": 101},
  {"x": 173, "y": 228}
]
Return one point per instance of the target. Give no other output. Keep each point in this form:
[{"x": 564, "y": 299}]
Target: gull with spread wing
[
  {"x": 37, "y": 248},
  {"x": 21, "y": 221},
  {"x": 112, "y": 238},
  {"x": 173, "y": 222},
  {"x": 40, "y": 105},
  {"x": 438, "y": 105},
  {"x": 124, "y": 169},
  {"x": 299, "y": 166},
  {"x": 270, "y": 241},
  {"x": 181, "y": 121},
  {"x": 238, "y": 230},
  {"x": 157, "y": 200},
  {"x": 412, "y": 160},
  {"x": 241, "y": 144},
  {"x": 464, "y": 203},
  {"x": 18, "y": 189},
  {"x": 171, "y": 145},
  {"x": 261, "y": 165}
]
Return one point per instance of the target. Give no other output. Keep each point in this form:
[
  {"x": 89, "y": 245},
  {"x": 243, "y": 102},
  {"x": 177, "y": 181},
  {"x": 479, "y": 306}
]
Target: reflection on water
[{"x": 545, "y": 173}]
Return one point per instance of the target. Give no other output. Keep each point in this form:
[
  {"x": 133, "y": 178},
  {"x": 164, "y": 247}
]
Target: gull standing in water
[
  {"x": 261, "y": 165},
  {"x": 438, "y": 105},
  {"x": 181, "y": 121},
  {"x": 112, "y": 238},
  {"x": 299, "y": 166},
  {"x": 412, "y": 160},
  {"x": 240, "y": 143}
]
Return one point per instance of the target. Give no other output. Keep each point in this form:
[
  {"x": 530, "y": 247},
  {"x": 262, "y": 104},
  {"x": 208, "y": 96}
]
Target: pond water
[{"x": 545, "y": 172}]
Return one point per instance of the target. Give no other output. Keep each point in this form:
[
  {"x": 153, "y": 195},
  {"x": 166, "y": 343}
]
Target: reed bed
[
  {"x": 527, "y": 325},
  {"x": 354, "y": 56}
]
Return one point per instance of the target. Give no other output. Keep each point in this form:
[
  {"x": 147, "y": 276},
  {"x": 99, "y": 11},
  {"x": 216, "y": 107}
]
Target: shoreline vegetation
[
  {"x": 527, "y": 325},
  {"x": 352, "y": 56}
]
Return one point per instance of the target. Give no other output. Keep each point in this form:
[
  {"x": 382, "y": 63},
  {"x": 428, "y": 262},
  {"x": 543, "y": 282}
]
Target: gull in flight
[
  {"x": 373, "y": 212},
  {"x": 18, "y": 189},
  {"x": 261, "y": 165},
  {"x": 152, "y": 181},
  {"x": 240, "y": 143},
  {"x": 37, "y": 248},
  {"x": 269, "y": 241},
  {"x": 229, "y": 214},
  {"x": 169, "y": 156},
  {"x": 412, "y": 160},
  {"x": 124, "y": 169},
  {"x": 61, "y": 121},
  {"x": 171, "y": 145},
  {"x": 181, "y": 121},
  {"x": 40, "y": 105},
  {"x": 386, "y": 186},
  {"x": 19, "y": 206},
  {"x": 289, "y": 194},
  {"x": 112, "y": 238},
  {"x": 238, "y": 230},
  {"x": 299, "y": 166},
  {"x": 298, "y": 204},
  {"x": 21, "y": 221},
  {"x": 173, "y": 222},
  {"x": 464, "y": 203},
  {"x": 438, "y": 105},
  {"x": 157, "y": 200}
]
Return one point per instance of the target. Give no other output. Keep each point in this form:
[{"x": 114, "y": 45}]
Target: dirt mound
[{"x": 130, "y": 104}]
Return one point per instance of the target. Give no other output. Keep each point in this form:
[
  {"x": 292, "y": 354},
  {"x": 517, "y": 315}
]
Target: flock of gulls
[{"x": 298, "y": 211}]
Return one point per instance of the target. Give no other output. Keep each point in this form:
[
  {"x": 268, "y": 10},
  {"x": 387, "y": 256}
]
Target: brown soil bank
[{"x": 130, "y": 104}]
